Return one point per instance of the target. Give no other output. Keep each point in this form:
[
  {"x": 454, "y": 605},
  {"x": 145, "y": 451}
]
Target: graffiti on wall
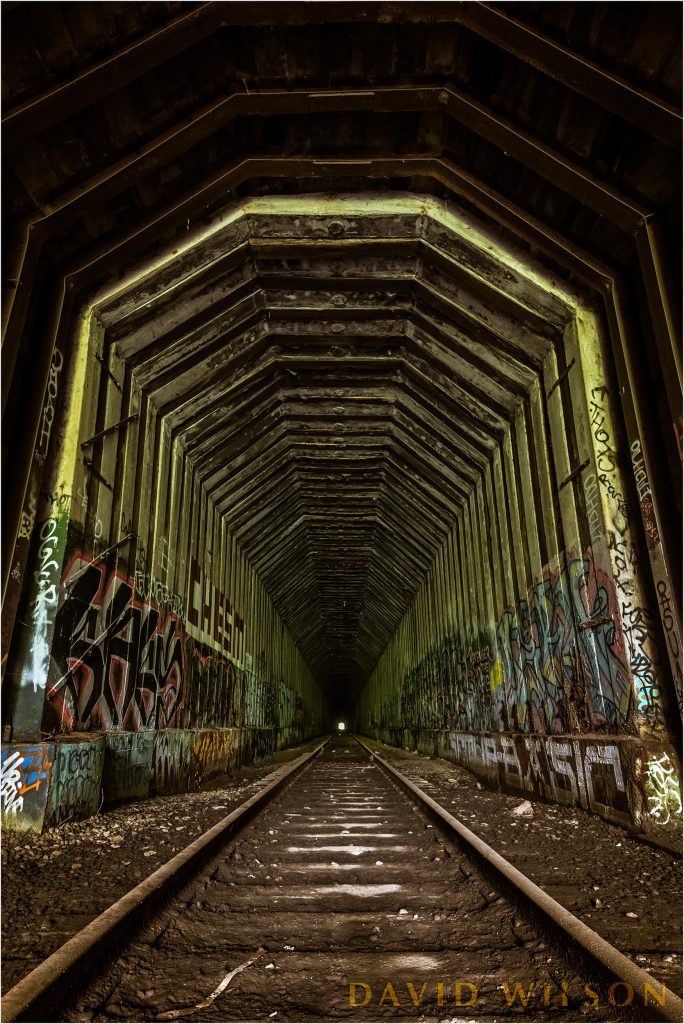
[
  {"x": 76, "y": 781},
  {"x": 672, "y": 634},
  {"x": 119, "y": 661},
  {"x": 592, "y": 504},
  {"x": 44, "y": 605},
  {"x": 449, "y": 685},
  {"x": 641, "y": 637},
  {"x": 172, "y": 761},
  {"x": 258, "y": 745},
  {"x": 638, "y": 626},
  {"x": 28, "y": 518},
  {"x": 48, "y": 413},
  {"x": 147, "y": 587},
  {"x": 562, "y": 655},
  {"x": 644, "y": 491},
  {"x": 24, "y": 781},
  {"x": 577, "y": 772},
  {"x": 211, "y": 753},
  {"x": 215, "y": 685},
  {"x": 555, "y": 664},
  {"x": 127, "y": 768},
  {"x": 662, "y": 789},
  {"x": 225, "y": 626}
]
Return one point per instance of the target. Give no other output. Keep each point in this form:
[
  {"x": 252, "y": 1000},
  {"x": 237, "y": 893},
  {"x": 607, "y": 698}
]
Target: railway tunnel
[{"x": 342, "y": 384}]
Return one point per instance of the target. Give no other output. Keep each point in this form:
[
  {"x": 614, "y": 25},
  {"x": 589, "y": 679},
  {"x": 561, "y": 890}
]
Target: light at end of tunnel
[{"x": 341, "y": 727}]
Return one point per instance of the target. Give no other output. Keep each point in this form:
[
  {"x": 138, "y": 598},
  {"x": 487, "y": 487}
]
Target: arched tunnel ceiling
[
  {"x": 338, "y": 371},
  {"x": 290, "y": 356}
]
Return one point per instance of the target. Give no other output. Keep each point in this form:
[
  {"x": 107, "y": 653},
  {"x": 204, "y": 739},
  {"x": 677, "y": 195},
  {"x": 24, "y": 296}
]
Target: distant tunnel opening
[{"x": 344, "y": 459}]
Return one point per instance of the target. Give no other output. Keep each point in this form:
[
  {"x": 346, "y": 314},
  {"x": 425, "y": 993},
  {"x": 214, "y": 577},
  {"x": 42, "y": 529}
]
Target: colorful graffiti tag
[
  {"x": 24, "y": 783},
  {"x": 563, "y": 656},
  {"x": 117, "y": 662},
  {"x": 211, "y": 754},
  {"x": 556, "y": 664}
]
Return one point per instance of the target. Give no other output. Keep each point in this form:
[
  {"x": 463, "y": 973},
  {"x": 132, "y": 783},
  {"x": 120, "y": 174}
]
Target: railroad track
[{"x": 350, "y": 896}]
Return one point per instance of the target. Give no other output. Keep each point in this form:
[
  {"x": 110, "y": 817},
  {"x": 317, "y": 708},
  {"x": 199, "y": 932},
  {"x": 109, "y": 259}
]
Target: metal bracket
[
  {"x": 96, "y": 473},
  {"x": 575, "y": 473},
  {"x": 561, "y": 378},
  {"x": 600, "y": 620},
  {"x": 108, "y": 430},
  {"x": 108, "y": 372},
  {"x": 99, "y": 557}
]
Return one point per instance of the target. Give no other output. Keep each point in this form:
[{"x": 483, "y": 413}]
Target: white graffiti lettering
[
  {"x": 50, "y": 397},
  {"x": 10, "y": 784},
  {"x": 662, "y": 789}
]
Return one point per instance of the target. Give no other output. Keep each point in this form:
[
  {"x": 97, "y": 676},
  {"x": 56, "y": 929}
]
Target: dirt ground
[
  {"x": 54, "y": 884},
  {"x": 340, "y": 903},
  {"x": 629, "y": 892}
]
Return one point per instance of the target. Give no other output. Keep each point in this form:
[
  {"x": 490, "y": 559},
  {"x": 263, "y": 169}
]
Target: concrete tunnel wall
[
  {"x": 402, "y": 465},
  {"x": 529, "y": 655},
  {"x": 154, "y": 655},
  {"x": 151, "y": 654}
]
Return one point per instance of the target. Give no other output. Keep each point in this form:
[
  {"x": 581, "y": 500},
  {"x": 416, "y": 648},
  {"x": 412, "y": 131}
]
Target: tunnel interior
[{"x": 342, "y": 387}]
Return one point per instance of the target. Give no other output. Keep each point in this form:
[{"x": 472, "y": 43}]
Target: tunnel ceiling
[
  {"x": 338, "y": 371},
  {"x": 336, "y": 376}
]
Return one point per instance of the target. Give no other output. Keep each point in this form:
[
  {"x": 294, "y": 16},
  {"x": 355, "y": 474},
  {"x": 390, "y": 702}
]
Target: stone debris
[
  {"x": 119, "y": 847},
  {"x": 523, "y": 810},
  {"x": 572, "y": 855}
]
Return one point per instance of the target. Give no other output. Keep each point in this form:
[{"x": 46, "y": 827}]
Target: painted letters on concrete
[
  {"x": 119, "y": 661},
  {"x": 127, "y": 766},
  {"x": 581, "y": 772},
  {"x": 75, "y": 790},
  {"x": 26, "y": 771},
  {"x": 561, "y": 647}
]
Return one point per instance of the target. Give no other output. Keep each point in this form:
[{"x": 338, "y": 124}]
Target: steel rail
[
  {"x": 35, "y": 997},
  {"x": 588, "y": 943}
]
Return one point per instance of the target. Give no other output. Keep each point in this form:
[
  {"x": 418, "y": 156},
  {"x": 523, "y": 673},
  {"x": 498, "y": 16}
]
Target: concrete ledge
[
  {"x": 73, "y": 776},
  {"x": 127, "y": 766},
  {"x": 26, "y": 773},
  {"x": 632, "y": 782},
  {"x": 75, "y": 789},
  {"x": 212, "y": 753},
  {"x": 172, "y": 762}
]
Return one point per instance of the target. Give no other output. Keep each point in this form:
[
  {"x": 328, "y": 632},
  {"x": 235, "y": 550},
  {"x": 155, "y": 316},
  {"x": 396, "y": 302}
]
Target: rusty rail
[
  {"x": 37, "y": 995},
  {"x": 579, "y": 937}
]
